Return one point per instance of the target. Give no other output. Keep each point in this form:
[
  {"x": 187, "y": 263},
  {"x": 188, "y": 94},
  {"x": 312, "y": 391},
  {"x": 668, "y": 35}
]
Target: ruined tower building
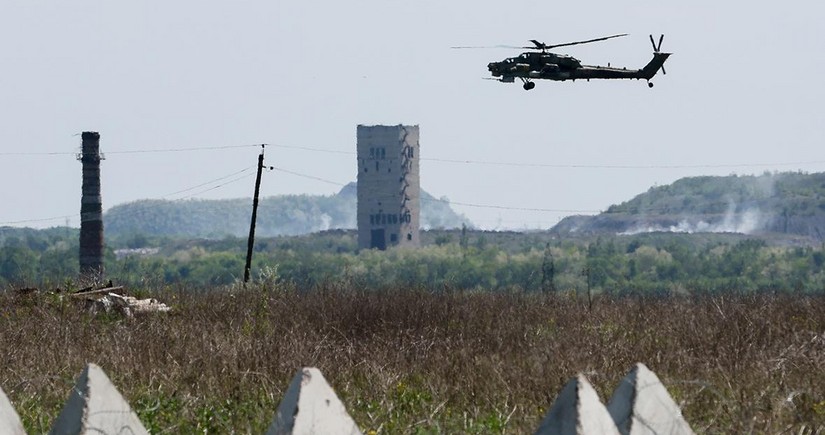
[
  {"x": 388, "y": 186},
  {"x": 91, "y": 207}
]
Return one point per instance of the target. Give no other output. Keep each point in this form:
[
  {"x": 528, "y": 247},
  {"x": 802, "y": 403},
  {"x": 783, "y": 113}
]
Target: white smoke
[
  {"x": 326, "y": 222},
  {"x": 743, "y": 222}
]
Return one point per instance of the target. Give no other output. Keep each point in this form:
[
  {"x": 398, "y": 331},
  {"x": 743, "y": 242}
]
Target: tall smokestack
[{"x": 91, "y": 207}]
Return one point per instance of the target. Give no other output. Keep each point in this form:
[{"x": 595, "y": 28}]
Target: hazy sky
[{"x": 744, "y": 94}]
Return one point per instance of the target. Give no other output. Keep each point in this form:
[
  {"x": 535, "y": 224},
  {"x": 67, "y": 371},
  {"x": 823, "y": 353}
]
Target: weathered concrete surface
[
  {"x": 577, "y": 411},
  {"x": 389, "y": 186},
  {"x": 310, "y": 406},
  {"x": 96, "y": 407},
  {"x": 9, "y": 420},
  {"x": 642, "y": 405}
]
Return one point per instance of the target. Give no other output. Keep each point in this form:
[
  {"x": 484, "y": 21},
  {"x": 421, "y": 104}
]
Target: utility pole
[{"x": 251, "y": 242}]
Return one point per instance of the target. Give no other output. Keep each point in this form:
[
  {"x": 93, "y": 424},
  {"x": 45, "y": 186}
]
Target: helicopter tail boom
[{"x": 654, "y": 65}]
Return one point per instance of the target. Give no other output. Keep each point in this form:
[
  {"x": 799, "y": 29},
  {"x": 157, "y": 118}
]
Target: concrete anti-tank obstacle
[
  {"x": 310, "y": 406},
  {"x": 9, "y": 420},
  {"x": 642, "y": 405},
  {"x": 577, "y": 411},
  {"x": 95, "y": 407}
]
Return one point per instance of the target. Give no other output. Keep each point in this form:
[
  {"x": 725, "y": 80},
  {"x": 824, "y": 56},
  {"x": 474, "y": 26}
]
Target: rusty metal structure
[
  {"x": 389, "y": 189},
  {"x": 91, "y": 207}
]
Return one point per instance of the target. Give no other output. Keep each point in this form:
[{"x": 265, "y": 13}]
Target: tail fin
[{"x": 654, "y": 65}]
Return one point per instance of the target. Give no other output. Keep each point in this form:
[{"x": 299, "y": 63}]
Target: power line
[
  {"x": 311, "y": 177},
  {"x": 176, "y": 150},
  {"x": 216, "y": 187},
  {"x": 320, "y": 150},
  {"x": 621, "y": 210},
  {"x": 208, "y": 182},
  {"x": 54, "y": 153},
  {"x": 165, "y": 196},
  {"x": 445, "y": 160},
  {"x": 502, "y": 207},
  {"x": 571, "y": 165},
  {"x": 37, "y": 220},
  {"x": 132, "y": 151},
  {"x": 583, "y": 166},
  {"x": 466, "y": 204}
]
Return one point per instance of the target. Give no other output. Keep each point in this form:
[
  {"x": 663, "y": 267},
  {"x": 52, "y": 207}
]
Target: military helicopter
[{"x": 542, "y": 64}]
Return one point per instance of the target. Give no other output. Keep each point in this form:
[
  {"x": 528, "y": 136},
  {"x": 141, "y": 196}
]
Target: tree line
[{"x": 460, "y": 259}]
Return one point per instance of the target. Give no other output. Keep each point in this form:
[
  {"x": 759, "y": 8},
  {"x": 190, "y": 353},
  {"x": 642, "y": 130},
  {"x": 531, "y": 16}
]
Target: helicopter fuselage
[
  {"x": 543, "y": 64},
  {"x": 551, "y": 66}
]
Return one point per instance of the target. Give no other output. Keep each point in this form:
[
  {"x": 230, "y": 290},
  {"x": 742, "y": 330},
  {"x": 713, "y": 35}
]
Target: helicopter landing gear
[
  {"x": 649, "y": 84},
  {"x": 527, "y": 84}
]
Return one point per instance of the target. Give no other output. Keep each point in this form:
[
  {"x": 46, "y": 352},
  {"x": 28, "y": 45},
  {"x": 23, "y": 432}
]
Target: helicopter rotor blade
[
  {"x": 545, "y": 46},
  {"x": 475, "y": 47},
  {"x": 657, "y": 47},
  {"x": 537, "y": 45}
]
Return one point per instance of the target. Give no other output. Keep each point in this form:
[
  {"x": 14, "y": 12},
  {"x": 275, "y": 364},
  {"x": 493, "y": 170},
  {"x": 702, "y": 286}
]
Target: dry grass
[{"x": 415, "y": 361}]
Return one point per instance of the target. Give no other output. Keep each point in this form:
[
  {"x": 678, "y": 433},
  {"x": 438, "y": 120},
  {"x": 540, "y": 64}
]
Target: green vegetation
[
  {"x": 277, "y": 215},
  {"x": 474, "y": 332},
  {"x": 415, "y": 360},
  {"x": 781, "y": 203},
  {"x": 656, "y": 263}
]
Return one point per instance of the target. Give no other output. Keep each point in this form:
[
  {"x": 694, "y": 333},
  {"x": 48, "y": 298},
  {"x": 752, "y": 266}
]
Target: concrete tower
[
  {"x": 91, "y": 207},
  {"x": 388, "y": 186}
]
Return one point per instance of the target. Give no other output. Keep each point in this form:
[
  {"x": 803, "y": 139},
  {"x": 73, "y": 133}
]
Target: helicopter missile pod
[{"x": 541, "y": 64}]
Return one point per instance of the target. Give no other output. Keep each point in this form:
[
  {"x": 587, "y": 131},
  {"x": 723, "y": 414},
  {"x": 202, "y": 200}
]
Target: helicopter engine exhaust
[{"x": 540, "y": 64}]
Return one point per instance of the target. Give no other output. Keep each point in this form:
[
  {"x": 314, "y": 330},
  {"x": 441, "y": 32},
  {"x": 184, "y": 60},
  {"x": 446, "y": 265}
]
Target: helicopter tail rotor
[{"x": 657, "y": 48}]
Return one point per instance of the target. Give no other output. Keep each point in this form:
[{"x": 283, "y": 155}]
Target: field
[{"x": 420, "y": 361}]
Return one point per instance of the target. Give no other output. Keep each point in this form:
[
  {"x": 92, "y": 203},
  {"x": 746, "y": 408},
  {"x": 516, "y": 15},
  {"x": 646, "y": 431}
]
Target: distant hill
[
  {"x": 781, "y": 203},
  {"x": 277, "y": 215}
]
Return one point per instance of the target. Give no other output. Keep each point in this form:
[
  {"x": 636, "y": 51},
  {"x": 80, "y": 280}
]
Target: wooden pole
[{"x": 251, "y": 241}]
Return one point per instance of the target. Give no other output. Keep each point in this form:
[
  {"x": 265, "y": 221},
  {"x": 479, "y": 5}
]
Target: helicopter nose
[{"x": 492, "y": 66}]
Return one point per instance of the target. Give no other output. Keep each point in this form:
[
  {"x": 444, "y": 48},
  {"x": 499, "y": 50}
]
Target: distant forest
[
  {"x": 700, "y": 234},
  {"x": 277, "y": 215},
  {"x": 655, "y": 264}
]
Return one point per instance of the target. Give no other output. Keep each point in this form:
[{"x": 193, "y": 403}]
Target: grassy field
[{"x": 418, "y": 361}]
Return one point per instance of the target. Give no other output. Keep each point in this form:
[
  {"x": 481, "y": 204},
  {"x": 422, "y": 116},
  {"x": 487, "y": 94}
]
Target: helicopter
[{"x": 542, "y": 64}]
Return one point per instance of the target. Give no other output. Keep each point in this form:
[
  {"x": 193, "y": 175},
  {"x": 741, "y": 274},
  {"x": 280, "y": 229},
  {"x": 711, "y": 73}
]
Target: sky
[{"x": 182, "y": 92}]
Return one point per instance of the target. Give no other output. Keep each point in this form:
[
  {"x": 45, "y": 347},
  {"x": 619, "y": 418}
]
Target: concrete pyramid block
[
  {"x": 577, "y": 411},
  {"x": 95, "y": 407},
  {"x": 9, "y": 420},
  {"x": 310, "y": 406},
  {"x": 642, "y": 405}
]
